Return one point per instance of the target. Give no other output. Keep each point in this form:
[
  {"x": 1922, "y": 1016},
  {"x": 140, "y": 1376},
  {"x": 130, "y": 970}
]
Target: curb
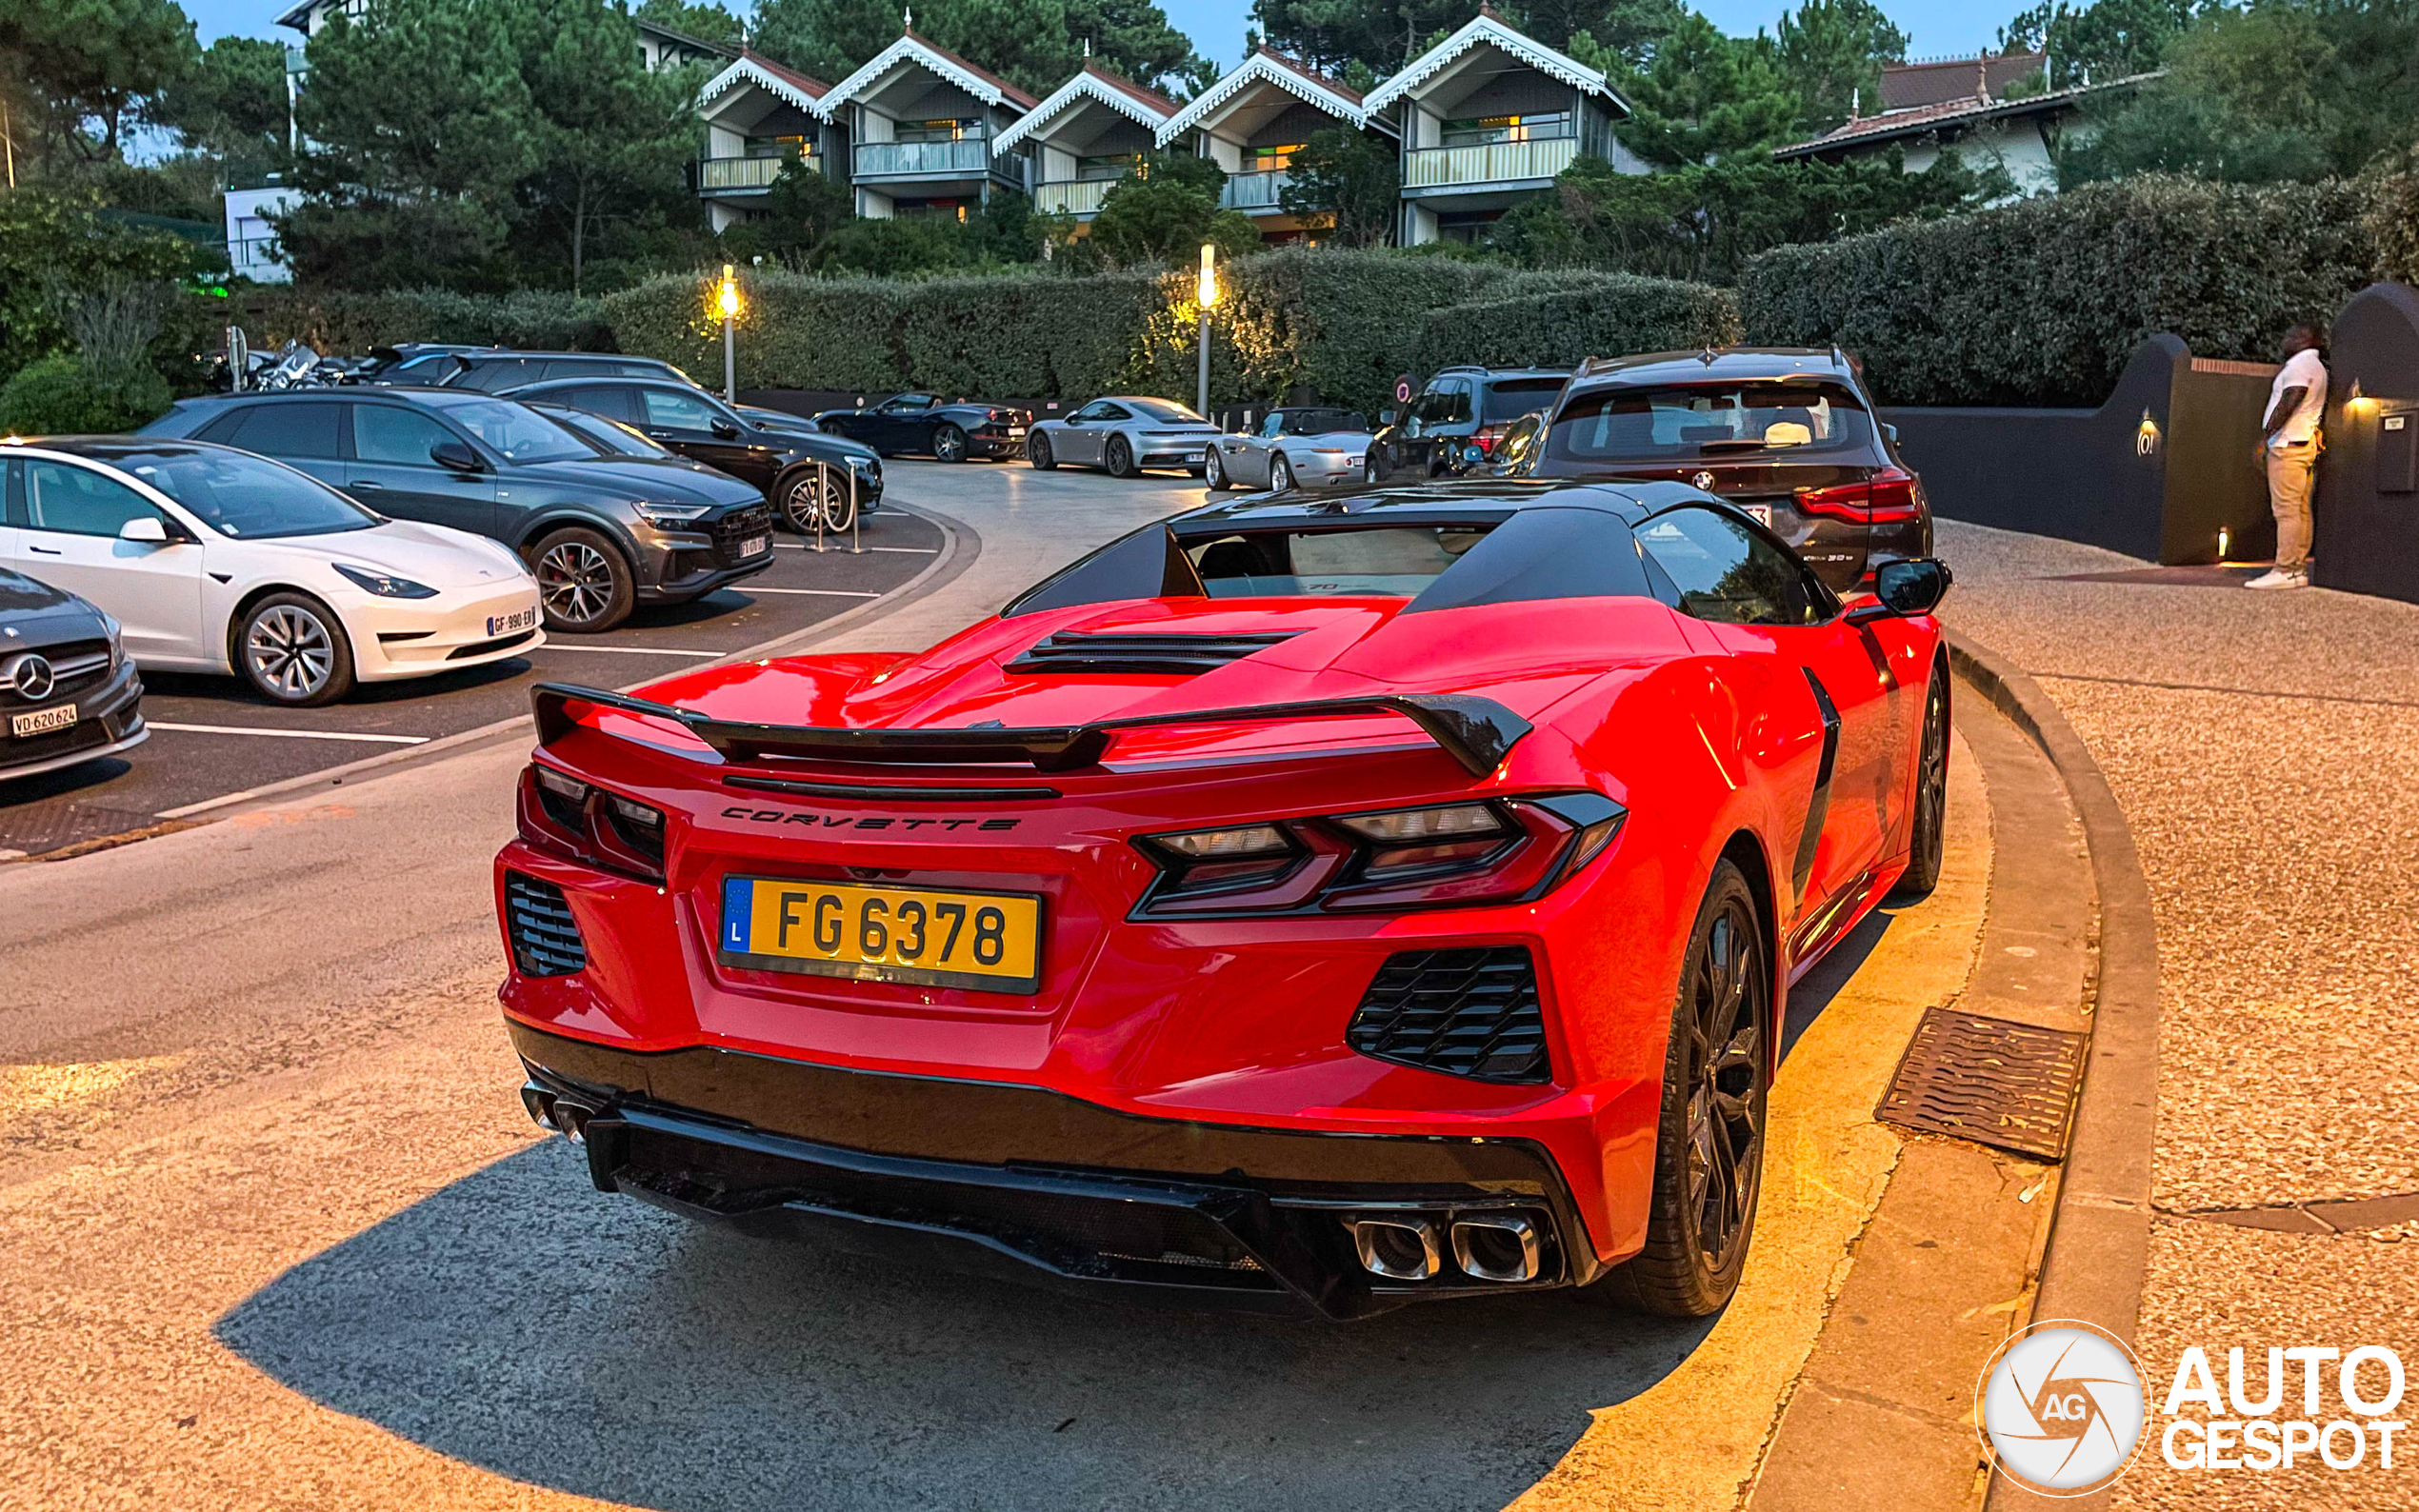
[
  {"x": 960, "y": 546},
  {"x": 2099, "y": 1247}
]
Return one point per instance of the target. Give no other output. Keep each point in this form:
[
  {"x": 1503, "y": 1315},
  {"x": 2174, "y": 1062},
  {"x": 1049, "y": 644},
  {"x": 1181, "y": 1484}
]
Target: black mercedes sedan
[
  {"x": 1788, "y": 435},
  {"x": 691, "y": 423},
  {"x": 920, "y": 423},
  {"x": 68, "y": 692},
  {"x": 601, "y": 534}
]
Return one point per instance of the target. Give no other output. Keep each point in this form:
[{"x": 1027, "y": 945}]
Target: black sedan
[
  {"x": 690, "y": 422},
  {"x": 68, "y": 692},
  {"x": 601, "y": 534},
  {"x": 920, "y": 423}
]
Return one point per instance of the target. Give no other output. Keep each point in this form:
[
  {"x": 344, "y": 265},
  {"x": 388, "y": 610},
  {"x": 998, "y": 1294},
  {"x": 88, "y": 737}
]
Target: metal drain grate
[{"x": 1995, "y": 1081}]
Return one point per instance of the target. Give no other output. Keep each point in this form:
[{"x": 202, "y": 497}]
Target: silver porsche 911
[
  {"x": 1300, "y": 445},
  {"x": 1125, "y": 434}
]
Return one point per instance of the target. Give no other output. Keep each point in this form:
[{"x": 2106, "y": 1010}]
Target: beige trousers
[{"x": 2289, "y": 476}]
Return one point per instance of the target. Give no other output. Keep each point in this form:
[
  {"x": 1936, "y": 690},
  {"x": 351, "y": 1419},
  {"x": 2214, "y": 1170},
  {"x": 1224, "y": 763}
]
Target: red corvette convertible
[{"x": 1345, "y": 901}]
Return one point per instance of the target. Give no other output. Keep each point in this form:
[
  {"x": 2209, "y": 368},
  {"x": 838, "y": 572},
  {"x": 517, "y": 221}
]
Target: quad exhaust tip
[
  {"x": 557, "y": 1115},
  {"x": 1496, "y": 1246},
  {"x": 1505, "y": 1248},
  {"x": 1398, "y": 1249}
]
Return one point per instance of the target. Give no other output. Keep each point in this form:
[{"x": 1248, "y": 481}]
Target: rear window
[
  {"x": 1389, "y": 562},
  {"x": 1511, "y": 398},
  {"x": 1162, "y": 410},
  {"x": 1683, "y": 421}
]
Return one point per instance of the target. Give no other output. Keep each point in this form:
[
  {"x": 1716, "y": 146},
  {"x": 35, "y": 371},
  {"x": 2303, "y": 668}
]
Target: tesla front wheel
[
  {"x": 948, "y": 443},
  {"x": 293, "y": 650},
  {"x": 1119, "y": 456},
  {"x": 1931, "y": 795},
  {"x": 583, "y": 582},
  {"x": 1214, "y": 472},
  {"x": 1708, "y": 1158},
  {"x": 1037, "y": 451}
]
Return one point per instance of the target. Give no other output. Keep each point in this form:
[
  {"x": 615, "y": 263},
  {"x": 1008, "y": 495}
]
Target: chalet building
[
  {"x": 1486, "y": 118},
  {"x": 1972, "y": 106},
  {"x": 1084, "y": 138},
  {"x": 1252, "y": 122},
  {"x": 761, "y": 120},
  {"x": 922, "y": 125}
]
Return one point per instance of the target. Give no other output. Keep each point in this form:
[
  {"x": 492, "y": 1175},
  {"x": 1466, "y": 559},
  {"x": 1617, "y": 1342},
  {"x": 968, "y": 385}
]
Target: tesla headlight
[
  {"x": 665, "y": 516},
  {"x": 384, "y": 584}
]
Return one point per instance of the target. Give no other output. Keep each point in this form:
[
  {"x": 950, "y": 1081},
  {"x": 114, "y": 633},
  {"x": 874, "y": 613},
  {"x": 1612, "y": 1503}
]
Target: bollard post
[
  {"x": 857, "y": 516},
  {"x": 822, "y": 489}
]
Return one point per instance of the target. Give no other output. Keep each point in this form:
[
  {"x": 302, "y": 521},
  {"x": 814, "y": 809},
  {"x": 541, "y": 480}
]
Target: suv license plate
[
  {"x": 1760, "y": 514},
  {"x": 507, "y": 623},
  {"x": 756, "y": 545},
  {"x": 42, "y": 721},
  {"x": 991, "y": 940}
]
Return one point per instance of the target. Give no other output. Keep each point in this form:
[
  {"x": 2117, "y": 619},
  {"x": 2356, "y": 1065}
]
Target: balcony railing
[
  {"x": 1255, "y": 192},
  {"x": 1493, "y": 163},
  {"x": 721, "y": 174},
  {"x": 957, "y": 159},
  {"x": 1071, "y": 196}
]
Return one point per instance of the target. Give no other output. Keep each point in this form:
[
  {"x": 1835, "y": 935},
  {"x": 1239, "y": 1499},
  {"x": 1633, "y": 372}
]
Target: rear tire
[
  {"x": 948, "y": 443},
  {"x": 1118, "y": 456},
  {"x": 1037, "y": 451},
  {"x": 1931, "y": 796},
  {"x": 1213, "y": 473},
  {"x": 583, "y": 582},
  {"x": 1280, "y": 473},
  {"x": 293, "y": 650},
  {"x": 1708, "y": 1153}
]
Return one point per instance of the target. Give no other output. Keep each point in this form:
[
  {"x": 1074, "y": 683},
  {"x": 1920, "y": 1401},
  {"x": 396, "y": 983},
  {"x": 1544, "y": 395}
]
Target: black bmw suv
[
  {"x": 1788, "y": 435},
  {"x": 1454, "y": 423},
  {"x": 601, "y": 534}
]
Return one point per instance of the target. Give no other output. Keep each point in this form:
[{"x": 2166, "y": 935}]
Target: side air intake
[
  {"x": 546, "y": 938},
  {"x": 1146, "y": 655},
  {"x": 1469, "y": 1012}
]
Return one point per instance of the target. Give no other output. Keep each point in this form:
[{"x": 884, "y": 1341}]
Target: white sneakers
[{"x": 2279, "y": 578}]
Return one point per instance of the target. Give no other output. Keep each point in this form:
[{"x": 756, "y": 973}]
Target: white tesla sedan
[{"x": 219, "y": 561}]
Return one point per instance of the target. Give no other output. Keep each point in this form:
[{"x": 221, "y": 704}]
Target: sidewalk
[{"x": 2266, "y": 750}]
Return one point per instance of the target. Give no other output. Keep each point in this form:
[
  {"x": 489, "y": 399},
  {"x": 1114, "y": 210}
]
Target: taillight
[
  {"x": 1886, "y": 498},
  {"x": 1486, "y": 436},
  {"x": 559, "y": 812},
  {"x": 1444, "y": 855}
]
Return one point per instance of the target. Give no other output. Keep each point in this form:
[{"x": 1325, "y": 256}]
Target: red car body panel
[{"x": 1704, "y": 733}]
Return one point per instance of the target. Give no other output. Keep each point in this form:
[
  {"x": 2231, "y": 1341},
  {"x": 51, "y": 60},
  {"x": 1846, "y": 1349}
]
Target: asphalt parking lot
[{"x": 214, "y": 742}]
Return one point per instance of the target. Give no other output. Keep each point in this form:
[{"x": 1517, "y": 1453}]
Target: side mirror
[
  {"x": 1914, "y": 586},
  {"x": 1890, "y": 432},
  {"x": 456, "y": 455},
  {"x": 148, "y": 528},
  {"x": 724, "y": 430}
]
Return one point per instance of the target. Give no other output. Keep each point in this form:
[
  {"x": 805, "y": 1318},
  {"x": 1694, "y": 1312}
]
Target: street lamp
[
  {"x": 727, "y": 301},
  {"x": 1206, "y": 295}
]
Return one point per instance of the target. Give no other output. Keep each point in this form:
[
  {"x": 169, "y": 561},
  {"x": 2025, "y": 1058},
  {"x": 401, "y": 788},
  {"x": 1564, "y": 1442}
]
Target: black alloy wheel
[
  {"x": 584, "y": 584},
  {"x": 1037, "y": 451},
  {"x": 1709, "y": 1141},
  {"x": 1931, "y": 796},
  {"x": 948, "y": 443},
  {"x": 1214, "y": 472},
  {"x": 293, "y": 650},
  {"x": 1280, "y": 473},
  {"x": 1119, "y": 457}
]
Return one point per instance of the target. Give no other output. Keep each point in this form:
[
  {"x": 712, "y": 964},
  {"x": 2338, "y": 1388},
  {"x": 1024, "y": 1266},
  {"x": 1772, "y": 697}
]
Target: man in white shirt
[{"x": 2289, "y": 443}]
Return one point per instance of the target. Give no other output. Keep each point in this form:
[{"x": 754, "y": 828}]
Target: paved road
[
  {"x": 213, "y": 737},
  {"x": 2265, "y": 748},
  {"x": 279, "y": 1236}
]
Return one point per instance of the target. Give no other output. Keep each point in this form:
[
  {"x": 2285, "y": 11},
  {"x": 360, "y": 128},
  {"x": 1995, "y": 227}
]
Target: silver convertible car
[
  {"x": 1296, "y": 445},
  {"x": 1123, "y": 434}
]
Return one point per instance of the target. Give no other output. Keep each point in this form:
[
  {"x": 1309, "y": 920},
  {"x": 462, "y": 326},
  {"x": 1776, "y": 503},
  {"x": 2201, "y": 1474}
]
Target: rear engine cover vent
[
  {"x": 546, "y": 938},
  {"x": 1464, "y": 1012},
  {"x": 1148, "y": 655}
]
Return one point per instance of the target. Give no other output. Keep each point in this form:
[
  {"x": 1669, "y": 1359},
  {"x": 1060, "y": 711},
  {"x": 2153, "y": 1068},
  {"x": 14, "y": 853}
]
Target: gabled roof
[
  {"x": 1906, "y": 85},
  {"x": 1145, "y": 107},
  {"x": 803, "y": 91},
  {"x": 693, "y": 43},
  {"x": 979, "y": 82},
  {"x": 1895, "y": 125},
  {"x": 1268, "y": 66},
  {"x": 1486, "y": 28}
]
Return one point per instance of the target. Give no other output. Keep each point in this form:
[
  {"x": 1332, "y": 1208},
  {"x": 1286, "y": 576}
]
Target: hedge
[
  {"x": 331, "y": 322},
  {"x": 1557, "y": 319},
  {"x": 1340, "y": 324},
  {"x": 2041, "y": 300}
]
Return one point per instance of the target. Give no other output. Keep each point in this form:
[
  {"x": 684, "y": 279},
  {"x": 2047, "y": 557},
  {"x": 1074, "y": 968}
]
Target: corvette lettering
[{"x": 775, "y": 816}]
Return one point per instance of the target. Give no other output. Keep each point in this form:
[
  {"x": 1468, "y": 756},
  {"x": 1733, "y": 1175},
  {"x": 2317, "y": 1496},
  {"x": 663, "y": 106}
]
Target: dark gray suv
[
  {"x": 68, "y": 692},
  {"x": 601, "y": 534}
]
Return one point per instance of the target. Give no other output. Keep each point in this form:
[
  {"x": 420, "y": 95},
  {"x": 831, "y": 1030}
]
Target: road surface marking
[
  {"x": 827, "y": 593},
  {"x": 288, "y": 734},
  {"x": 909, "y": 550},
  {"x": 632, "y": 650}
]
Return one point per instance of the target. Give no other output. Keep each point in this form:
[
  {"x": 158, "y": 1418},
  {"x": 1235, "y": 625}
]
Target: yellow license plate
[{"x": 989, "y": 941}]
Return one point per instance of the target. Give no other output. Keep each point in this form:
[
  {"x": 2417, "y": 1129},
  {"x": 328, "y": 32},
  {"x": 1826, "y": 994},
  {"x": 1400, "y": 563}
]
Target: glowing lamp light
[
  {"x": 1207, "y": 292},
  {"x": 727, "y": 294},
  {"x": 2224, "y": 539}
]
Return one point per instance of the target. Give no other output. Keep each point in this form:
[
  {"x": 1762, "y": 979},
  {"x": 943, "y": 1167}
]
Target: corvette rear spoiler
[{"x": 1477, "y": 732}]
